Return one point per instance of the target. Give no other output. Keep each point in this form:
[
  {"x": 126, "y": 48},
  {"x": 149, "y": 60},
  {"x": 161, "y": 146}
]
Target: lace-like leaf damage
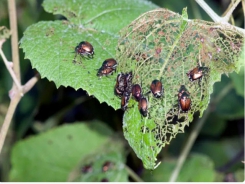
[{"x": 163, "y": 45}]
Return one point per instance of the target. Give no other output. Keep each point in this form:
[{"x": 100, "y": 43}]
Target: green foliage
[
  {"x": 112, "y": 153},
  {"x": 55, "y": 153},
  {"x": 163, "y": 45},
  {"x": 172, "y": 44},
  {"x": 223, "y": 151},
  {"x": 196, "y": 168},
  {"x": 50, "y": 44}
]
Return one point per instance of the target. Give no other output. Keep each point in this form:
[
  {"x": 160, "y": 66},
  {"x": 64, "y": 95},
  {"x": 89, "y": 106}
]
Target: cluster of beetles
[
  {"x": 124, "y": 87},
  {"x": 107, "y": 165}
]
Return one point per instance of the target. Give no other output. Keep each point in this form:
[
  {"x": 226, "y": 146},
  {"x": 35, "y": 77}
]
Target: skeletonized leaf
[{"x": 163, "y": 45}]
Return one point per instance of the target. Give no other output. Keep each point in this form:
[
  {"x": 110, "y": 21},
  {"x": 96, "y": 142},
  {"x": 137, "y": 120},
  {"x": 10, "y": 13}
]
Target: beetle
[
  {"x": 110, "y": 63},
  {"x": 120, "y": 82},
  {"x": 184, "y": 101},
  {"x": 87, "y": 168},
  {"x": 156, "y": 88},
  {"x": 196, "y": 73},
  {"x": 106, "y": 166},
  {"x": 85, "y": 48},
  {"x": 143, "y": 106},
  {"x": 128, "y": 82},
  {"x": 105, "y": 71},
  {"x": 104, "y": 180},
  {"x": 124, "y": 100},
  {"x": 137, "y": 92}
]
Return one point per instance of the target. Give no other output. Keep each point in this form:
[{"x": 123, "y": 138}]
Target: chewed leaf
[
  {"x": 163, "y": 45},
  {"x": 50, "y": 45}
]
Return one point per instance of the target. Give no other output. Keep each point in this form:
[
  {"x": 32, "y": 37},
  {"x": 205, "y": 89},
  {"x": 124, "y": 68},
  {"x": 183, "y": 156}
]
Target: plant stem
[
  {"x": 13, "y": 75},
  {"x": 243, "y": 8},
  {"x": 14, "y": 38},
  {"x": 208, "y": 10},
  {"x": 4, "y": 129},
  {"x": 215, "y": 17},
  {"x": 230, "y": 9},
  {"x": 132, "y": 174},
  {"x": 191, "y": 140},
  {"x": 17, "y": 90}
]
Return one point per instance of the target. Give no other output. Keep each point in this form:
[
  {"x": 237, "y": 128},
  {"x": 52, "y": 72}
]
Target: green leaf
[
  {"x": 112, "y": 153},
  {"x": 107, "y": 16},
  {"x": 197, "y": 168},
  {"x": 232, "y": 105},
  {"x": 238, "y": 81},
  {"x": 163, "y": 45},
  {"x": 214, "y": 125},
  {"x": 225, "y": 150},
  {"x": 52, "y": 155},
  {"x": 239, "y": 175},
  {"x": 50, "y": 44}
]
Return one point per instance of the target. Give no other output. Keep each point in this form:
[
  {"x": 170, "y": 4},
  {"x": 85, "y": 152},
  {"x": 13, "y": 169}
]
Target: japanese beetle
[
  {"x": 110, "y": 63},
  {"x": 184, "y": 101},
  {"x": 84, "y": 48},
  {"x": 128, "y": 82},
  {"x": 137, "y": 92},
  {"x": 104, "y": 180},
  {"x": 124, "y": 100},
  {"x": 196, "y": 73},
  {"x": 87, "y": 169},
  {"x": 143, "y": 106},
  {"x": 119, "y": 87},
  {"x": 156, "y": 88},
  {"x": 104, "y": 71},
  {"x": 106, "y": 166}
]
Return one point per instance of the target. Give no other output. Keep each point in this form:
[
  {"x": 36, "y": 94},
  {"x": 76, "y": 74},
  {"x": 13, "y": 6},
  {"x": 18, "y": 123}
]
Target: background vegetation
[{"x": 55, "y": 132}]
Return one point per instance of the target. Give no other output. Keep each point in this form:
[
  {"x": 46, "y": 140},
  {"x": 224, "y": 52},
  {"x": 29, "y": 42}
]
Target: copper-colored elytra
[
  {"x": 196, "y": 73},
  {"x": 143, "y": 106},
  {"x": 137, "y": 92},
  {"x": 106, "y": 166},
  {"x": 185, "y": 102},
  {"x": 85, "y": 48},
  {"x": 105, "y": 71},
  {"x": 110, "y": 63},
  {"x": 156, "y": 88},
  {"x": 124, "y": 101},
  {"x": 87, "y": 169},
  {"x": 120, "y": 82}
]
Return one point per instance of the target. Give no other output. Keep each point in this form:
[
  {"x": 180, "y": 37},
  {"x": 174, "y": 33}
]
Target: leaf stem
[
  {"x": 199, "y": 124},
  {"x": 132, "y": 174},
  {"x": 208, "y": 10},
  {"x": 215, "y": 17},
  {"x": 14, "y": 38},
  {"x": 4, "y": 129},
  {"x": 17, "y": 91},
  {"x": 9, "y": 68},
  {"x": 230, "y": 9}
]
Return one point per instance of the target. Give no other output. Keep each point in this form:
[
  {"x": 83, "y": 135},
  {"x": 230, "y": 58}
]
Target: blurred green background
[{"x": 220, "y": 144}]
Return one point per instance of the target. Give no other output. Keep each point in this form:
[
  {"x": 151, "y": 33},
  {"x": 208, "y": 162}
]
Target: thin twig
[
  {"x": 133, "y": 175},
  {"x": 14, "y": 38},
  {"x": 4, "y": 129},
  {"x": 208, "y": 10},
  {"x": 31, "y": 83},
  {"x": 199, "y": 124},
  {"x": 230, "y": 10},
  {"x": 13, "y": 75},
  {"x": 215, "y": 17},
  {"x": 243, "y": 7}
]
